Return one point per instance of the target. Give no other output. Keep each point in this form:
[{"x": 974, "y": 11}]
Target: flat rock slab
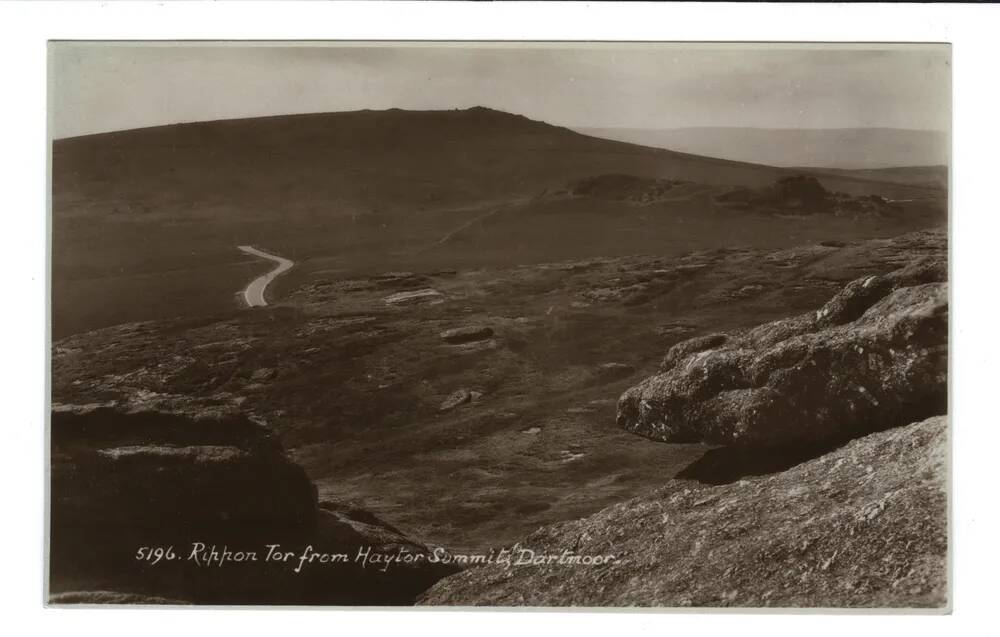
[
  {"x": 413, "y": 297},
  {"x": 468, "y": 334},
  {"x": 460, "y": 397},
  {"x": 615, "y": 369}
]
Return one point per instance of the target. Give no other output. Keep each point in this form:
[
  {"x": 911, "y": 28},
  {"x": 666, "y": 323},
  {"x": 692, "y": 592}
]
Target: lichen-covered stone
[{"x": 873, "y": 357}]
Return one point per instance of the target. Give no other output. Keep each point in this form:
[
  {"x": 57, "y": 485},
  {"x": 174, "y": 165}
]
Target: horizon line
[{"x": 482, "y": 107}]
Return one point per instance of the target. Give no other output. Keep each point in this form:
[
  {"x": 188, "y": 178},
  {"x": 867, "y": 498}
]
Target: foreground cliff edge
[
  {"x": 205, "y": 508},
  {"x": 863, "y": 525}
]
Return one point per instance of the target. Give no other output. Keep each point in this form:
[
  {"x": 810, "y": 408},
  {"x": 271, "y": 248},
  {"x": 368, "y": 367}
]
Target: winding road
[{"x": 254, "y": 292}]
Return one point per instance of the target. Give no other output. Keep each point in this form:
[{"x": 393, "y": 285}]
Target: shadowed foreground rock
[
  {"x": 863, "y": 526},
  {"x": 124, "y": 480},
  {"x": 875, "y": 356}
]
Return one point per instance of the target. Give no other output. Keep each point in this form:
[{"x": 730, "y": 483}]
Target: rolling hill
[{"x": 145, "y": 222}]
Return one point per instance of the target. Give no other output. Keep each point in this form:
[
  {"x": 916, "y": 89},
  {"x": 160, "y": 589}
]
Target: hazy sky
[{"x": 100, "y": 86}]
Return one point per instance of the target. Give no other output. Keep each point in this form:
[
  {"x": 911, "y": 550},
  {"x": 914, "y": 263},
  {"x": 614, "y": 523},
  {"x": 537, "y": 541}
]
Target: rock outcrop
[
  {"x": 800, "y": 190},
  {"x": 628, "y": 188},
  {"x": 460, "y": 397},
  {"x": 801, "y": 195},
  {"x": 172, "y": 483},
  {"x": 873, "y": 357},
  {"x": 863, "y": 526}
]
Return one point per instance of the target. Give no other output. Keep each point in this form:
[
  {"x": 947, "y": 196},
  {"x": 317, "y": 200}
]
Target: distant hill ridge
[
  {"x": 924, "y": 176},
  {"x": 843, "y": 148}
]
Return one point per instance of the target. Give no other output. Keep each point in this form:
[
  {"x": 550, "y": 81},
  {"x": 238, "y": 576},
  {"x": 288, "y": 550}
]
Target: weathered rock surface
[
  {"x": 875, "y": 356},
  {"x": 863, "y": 526},
  {"x": 123, "y": 480}
]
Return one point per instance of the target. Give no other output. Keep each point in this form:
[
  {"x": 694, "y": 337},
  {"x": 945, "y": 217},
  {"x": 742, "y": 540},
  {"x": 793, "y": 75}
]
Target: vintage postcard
[{"x": 499, "y": 324}]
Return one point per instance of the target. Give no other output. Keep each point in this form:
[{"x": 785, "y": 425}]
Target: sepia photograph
[{"x": 497, "y": 324}]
